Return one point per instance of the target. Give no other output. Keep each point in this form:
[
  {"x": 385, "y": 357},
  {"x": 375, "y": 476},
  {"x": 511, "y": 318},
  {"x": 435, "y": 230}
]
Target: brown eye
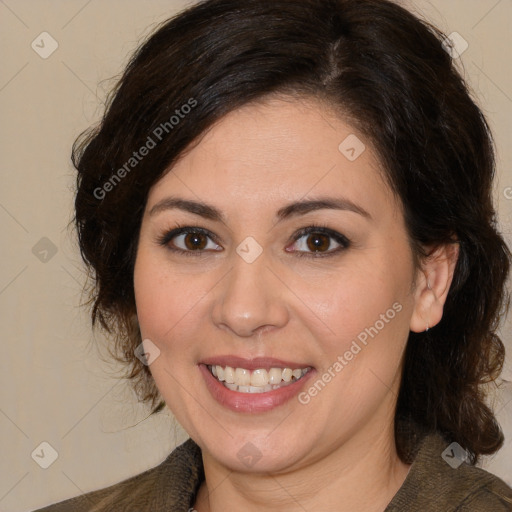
[
  {"x": 195, "y": 241},
  {"x": 318, "y": 242},
  {"x": 189, "y": 241}
]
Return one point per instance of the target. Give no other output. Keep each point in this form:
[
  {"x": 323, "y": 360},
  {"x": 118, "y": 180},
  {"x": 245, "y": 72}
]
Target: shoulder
[
  {"x": 173, "y": 483},
  {"x": 481, "y": 491},
  {"x": 440, "y": 481}
]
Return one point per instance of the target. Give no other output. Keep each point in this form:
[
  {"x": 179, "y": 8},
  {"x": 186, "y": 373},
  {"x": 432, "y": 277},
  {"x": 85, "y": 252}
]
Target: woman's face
[{"x": 295, "y": 257}]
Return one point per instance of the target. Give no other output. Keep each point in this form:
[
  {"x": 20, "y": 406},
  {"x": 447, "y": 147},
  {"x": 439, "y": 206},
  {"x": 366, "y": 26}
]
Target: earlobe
[
  {"x": 433, "y": 283},
  {"x": 429, "y": 287}
]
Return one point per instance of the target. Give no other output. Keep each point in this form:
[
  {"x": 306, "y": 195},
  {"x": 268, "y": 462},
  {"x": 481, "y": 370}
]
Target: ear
[{"x": 433, "y": 282}]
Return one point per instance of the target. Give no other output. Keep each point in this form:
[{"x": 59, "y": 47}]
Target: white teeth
[
  {"x": 259, "y": 378},
  {"x": 297, "y": 373},
  {"x": 242, "y": 377},
  {"x": 287, "y": 374},
  {"x": 229, "y": 375},
  {"x": 257, "y": 381},
  {"x": 275, "y": 375}
]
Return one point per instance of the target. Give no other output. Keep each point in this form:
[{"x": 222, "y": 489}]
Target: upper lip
[{"x": 252, "y": 364}]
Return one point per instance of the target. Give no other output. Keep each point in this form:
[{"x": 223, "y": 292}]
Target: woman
[{"x": 287, "y": 212}]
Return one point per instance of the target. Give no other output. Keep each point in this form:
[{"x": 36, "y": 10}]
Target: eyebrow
[{"x": 293, "y": 209}]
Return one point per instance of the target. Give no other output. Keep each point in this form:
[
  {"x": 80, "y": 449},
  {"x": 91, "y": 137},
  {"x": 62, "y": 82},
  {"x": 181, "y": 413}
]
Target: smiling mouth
[{"x": 256, "y": 381}]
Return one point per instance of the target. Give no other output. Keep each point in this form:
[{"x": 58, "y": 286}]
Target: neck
[{"x": 363, "y": 473}]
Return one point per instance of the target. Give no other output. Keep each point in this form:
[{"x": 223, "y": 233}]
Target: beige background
[{"x": 54, "y": 387}]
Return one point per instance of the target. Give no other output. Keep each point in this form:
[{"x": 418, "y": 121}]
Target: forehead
[{"x": 278, "y": 149}]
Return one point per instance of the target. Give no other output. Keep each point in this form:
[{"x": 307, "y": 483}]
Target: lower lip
[{"x": 252, "y": 402}]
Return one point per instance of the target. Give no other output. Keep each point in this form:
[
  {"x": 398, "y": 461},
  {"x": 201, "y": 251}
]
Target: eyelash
[
  {"x": 344, "y": 242},
  {"x": 317, "y": 229}
]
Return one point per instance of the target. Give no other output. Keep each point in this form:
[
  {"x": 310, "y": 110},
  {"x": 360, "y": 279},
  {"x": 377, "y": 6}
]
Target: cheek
[
  {"x": 162, "y": 300},
  {"x": 367, "y": 311},
  {"x": 368, "y": 320},
  {"x": 362, "y": 295},
  {"x": 174, "y": 311},
  {"x": 169, "y": 314}
]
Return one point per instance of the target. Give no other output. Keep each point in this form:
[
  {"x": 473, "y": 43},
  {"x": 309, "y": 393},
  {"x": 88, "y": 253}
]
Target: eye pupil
[
  {"x": 195, "y": 241},
  {"x": 318, "y": 242}
]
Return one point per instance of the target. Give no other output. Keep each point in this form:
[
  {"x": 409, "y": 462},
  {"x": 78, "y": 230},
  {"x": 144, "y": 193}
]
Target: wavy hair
[{"x": 382, "y": 69}]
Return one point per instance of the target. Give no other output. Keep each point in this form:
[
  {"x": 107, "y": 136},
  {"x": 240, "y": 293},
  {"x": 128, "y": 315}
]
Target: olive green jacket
[{"x": 432, "y": 485}]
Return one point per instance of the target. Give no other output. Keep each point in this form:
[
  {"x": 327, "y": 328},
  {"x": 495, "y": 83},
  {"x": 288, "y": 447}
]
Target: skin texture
[{"x": 307, "y": 309}]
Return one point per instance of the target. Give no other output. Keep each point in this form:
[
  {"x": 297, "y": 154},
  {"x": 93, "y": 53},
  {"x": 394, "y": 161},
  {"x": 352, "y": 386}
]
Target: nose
[{"x": 250, "y": 299}]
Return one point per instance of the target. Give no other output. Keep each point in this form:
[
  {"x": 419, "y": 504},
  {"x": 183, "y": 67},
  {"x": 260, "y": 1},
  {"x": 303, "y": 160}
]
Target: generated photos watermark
[
  {"x": 454, "y": 455},
  {"x": 147, "y": 352},
  {"x": 455, "y": 45},
  {"x": 352, "y": 147},
  {"x": 249, "y": 454},
  {"x": 152, "y": 140},
  {"x": 343, "y": 360},
  {"x": 249, "y": 249},
  {"x": 44, "y": 455}
]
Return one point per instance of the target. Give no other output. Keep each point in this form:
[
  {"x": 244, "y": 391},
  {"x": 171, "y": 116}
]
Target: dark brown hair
[{"x": 387, "y": 73}]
